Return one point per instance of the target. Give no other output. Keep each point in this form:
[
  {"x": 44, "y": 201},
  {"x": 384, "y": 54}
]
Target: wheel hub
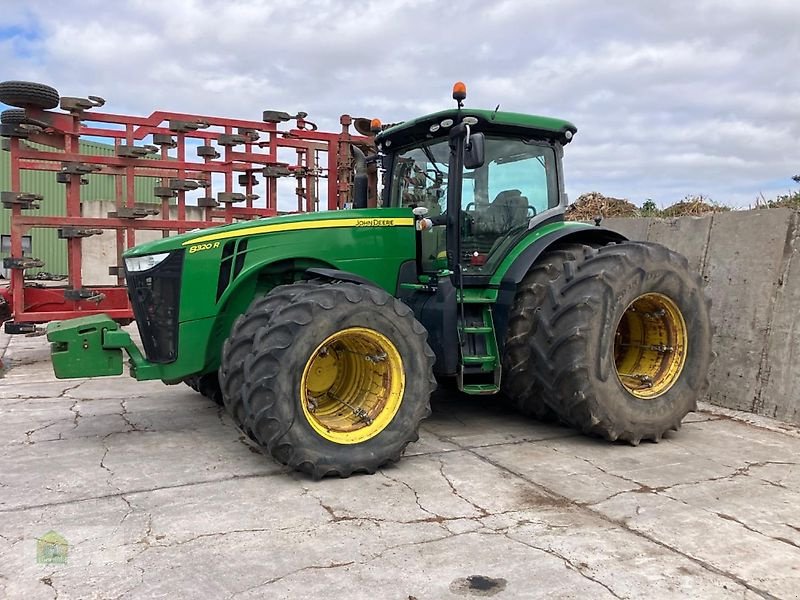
[
  {"x": 352, "y": 385},
  {"x": 650, "y": 346}
]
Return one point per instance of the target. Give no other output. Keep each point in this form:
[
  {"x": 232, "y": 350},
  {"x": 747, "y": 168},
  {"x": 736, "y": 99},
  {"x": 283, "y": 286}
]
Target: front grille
[{"x": 155, "y": 297}]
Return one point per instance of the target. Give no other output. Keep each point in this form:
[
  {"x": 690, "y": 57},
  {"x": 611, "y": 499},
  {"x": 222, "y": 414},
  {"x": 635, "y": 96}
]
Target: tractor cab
[
  {"x": 478, "y": 181},
  {"x": 498, "y": 201}
]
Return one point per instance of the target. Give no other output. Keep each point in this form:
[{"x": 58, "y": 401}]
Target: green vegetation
[{"x": 789, "y": 200}]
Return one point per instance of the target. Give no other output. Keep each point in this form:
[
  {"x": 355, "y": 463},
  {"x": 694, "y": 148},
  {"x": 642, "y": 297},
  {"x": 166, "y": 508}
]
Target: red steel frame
[{"x": 63, "y": 132}]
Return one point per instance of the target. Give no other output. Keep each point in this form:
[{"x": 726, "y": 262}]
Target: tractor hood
[{"x": 294, "y": 222}]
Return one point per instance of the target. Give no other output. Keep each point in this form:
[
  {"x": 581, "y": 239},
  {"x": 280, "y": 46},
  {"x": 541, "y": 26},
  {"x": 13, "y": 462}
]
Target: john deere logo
[{"x": 51, "y": 549}]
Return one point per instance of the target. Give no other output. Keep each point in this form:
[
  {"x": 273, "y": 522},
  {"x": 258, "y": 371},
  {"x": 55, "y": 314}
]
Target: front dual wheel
[{"x": 337, "y": 381}]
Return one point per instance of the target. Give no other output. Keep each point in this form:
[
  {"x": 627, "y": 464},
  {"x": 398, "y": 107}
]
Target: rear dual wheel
[
  {"x": 338, "y": 380},
  {"x": 523, "y": 392},
  {"x": 621, "y": 343}
]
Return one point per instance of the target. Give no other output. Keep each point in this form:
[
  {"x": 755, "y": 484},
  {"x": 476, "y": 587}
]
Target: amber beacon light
[{"x": 459, "y": 91}]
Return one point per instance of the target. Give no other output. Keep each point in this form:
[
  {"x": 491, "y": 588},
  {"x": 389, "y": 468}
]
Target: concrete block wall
[{"x": 749, "y": 261}]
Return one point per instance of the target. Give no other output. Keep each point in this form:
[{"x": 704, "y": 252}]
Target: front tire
[
  {"x": 339, "y": 381},
  {"x": 240, "y": 344},
  {"x": 626, "y": 336}
]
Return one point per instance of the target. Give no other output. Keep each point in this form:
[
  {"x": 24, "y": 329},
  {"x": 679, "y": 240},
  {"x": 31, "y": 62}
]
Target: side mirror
[{"x": 473, "y": 151}]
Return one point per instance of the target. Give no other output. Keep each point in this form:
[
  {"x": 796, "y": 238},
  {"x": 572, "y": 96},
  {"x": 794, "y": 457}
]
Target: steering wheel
[{"x": 532, "y": 211}]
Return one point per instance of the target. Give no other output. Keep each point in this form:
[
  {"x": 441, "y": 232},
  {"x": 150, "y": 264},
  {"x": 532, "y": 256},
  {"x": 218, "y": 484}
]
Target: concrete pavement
[{"x": 159, "y": 496}]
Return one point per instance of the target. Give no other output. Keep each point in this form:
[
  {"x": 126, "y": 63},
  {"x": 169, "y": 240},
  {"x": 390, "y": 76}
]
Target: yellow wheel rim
[
  {"x": 352, "y": 385},
  {"x": 650, "y": 346}
]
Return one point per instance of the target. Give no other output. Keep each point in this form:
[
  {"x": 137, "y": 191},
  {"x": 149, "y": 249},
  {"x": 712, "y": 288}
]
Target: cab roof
[{"x": 489, "y": 121}]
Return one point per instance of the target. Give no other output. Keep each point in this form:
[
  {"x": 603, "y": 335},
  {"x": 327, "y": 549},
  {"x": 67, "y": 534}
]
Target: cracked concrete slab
[
  {"x": 719, "y": 544},
  {"x": 159, "y": 495}
]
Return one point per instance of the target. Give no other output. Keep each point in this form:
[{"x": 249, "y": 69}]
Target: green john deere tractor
[{"x": 324, "y": 334}]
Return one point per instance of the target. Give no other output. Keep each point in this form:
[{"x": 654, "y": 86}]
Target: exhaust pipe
[{"x": 361, "y": 179}]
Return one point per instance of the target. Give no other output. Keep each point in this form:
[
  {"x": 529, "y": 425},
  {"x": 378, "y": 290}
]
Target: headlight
[{"x": 144, "y": 263}]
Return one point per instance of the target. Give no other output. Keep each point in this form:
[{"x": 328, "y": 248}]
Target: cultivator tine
[
  {"x": 230, "y": 197},
  {"x": 251, "y": 134},
  {"x": 186, "y": 126},
  {"x": 79, "y": 168},
  {"x": 164, "y": 140},
  {"x": 67, "y": 178},
  {"x": 76, "y": 105},
  {"x": 207, "y": 202},
  {"x": 22, "y": 263},
  {"x": 248, "y": 179},
  {"x": 183, "y": 185},
  {"x": 276, "y": 170},
  {"x": 135, "y": 212},
  {"x": 21, "y": 199},
  {"x": 231, "y": 139},
  {"x": 207, "y": 152},
  {"x": 235, "y": 139},
  {"x": 130, "y": 151},
  {"x": 66, "y": 233},
  {"x": 164, "y": 192},
  {"x": 275, "y": 116},
  {"x": 69, "y": 170}
]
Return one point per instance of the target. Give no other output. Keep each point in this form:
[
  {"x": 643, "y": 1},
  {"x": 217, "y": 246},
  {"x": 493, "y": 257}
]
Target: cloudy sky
[{"x": 670, "y": 98}]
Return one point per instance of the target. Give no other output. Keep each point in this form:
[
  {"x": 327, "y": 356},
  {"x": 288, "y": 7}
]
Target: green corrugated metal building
[{"x": 45, "y": 242}]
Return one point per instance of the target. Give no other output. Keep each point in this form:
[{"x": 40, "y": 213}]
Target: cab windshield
[{"x": 517, "y": 181}]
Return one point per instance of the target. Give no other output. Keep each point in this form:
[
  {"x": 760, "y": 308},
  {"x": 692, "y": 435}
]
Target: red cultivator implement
[{"x": 204, "y": 171}]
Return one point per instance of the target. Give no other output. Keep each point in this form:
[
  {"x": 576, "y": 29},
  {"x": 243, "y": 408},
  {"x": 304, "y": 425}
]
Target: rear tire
[
  {"x": 626, "y": 336},
  {"x": 25, "y": 94},
  {"x": 522, "y": 391},
  {"x": 339, "y": 381},
  {"x": 240, "y": 344}
]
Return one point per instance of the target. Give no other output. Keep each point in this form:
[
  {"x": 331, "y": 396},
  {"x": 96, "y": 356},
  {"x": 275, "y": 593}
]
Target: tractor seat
[{"x": 508, "y": 210}]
